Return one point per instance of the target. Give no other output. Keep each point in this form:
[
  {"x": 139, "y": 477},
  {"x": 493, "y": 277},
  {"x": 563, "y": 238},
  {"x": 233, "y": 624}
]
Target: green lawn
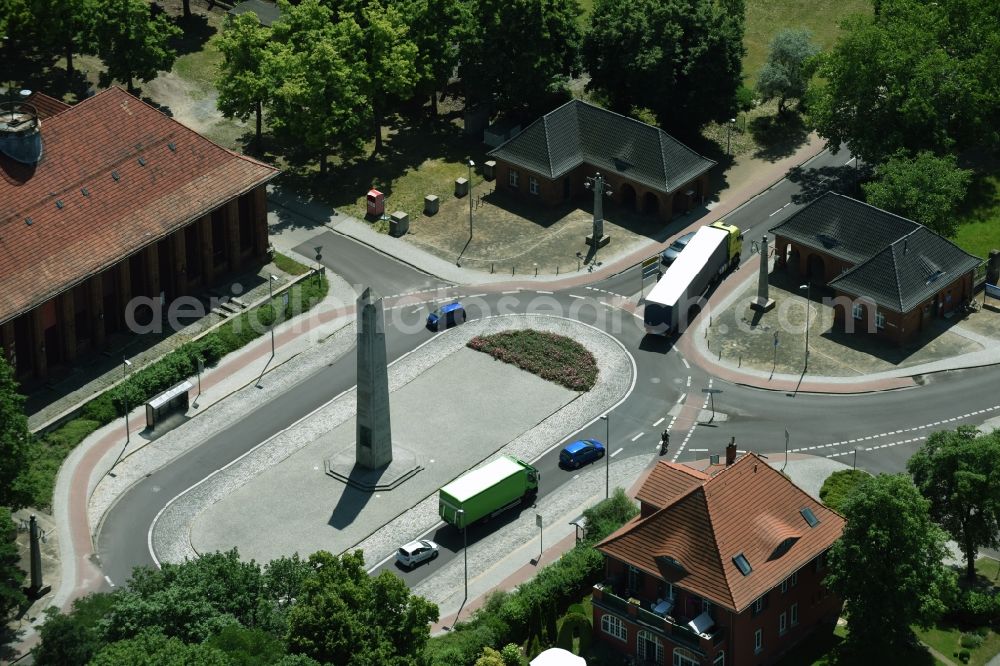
[
  {"x": 201, "y": 67},
  {"x": 979, "y": 218}
]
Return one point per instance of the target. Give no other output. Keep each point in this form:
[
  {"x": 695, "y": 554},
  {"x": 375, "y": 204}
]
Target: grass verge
[
  {"x": 49, "y": 451},
  {"x": 553, "y": 357},
  {"x": 289, "y": 265},
  {"x": 979, "y": 219}
]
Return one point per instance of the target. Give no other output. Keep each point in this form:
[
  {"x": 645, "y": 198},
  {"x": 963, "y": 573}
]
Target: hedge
[
  {"x": 506, "y": 617},
  {"x": 49, "y": 451}
]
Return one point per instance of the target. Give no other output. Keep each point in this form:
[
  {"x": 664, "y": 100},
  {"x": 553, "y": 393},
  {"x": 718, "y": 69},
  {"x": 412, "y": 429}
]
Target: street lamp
[
  {"x": 607, "y": 457},
  {"x": 270, "y": 295},
  {"x": 729, "y": 134},
  {"x": 126, "y": 364},
  {"x": 465, "y": 556},
  {"x": 471, "y": 165},
  {"x": 807, "y": 286}
]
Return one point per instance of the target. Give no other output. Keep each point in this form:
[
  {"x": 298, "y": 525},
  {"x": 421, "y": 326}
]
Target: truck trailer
[
  {"x": 485, "y": 492},
  {"x": 708, "y": 257}
]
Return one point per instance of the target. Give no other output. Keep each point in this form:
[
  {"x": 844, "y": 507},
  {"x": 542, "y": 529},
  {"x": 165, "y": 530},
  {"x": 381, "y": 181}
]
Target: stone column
[
  {"x": 373, "y": 447},
  {"x": 66, "y": 310},
  {"x": 232, "y": 218},
  {"x": 205, "y": 238},
  {"x": 259, "y": 207},
  {"x": 762, "y": 303}
]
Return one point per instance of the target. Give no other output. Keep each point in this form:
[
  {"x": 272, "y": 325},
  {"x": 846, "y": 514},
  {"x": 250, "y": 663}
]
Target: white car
[{"x": 416, "y": 552}]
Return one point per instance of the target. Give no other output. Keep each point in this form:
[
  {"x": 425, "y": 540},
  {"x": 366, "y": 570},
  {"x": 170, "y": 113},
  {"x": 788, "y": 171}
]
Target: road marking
[
  {"x": 849, "y": 161},
  {"x": 539, "y": 291},
  {"x": 617, "y": 452},
  {"x": 575, "y": 296},
  {"x": 686, "y": 364},
  {"x": 780, "y": 209},
  {"x": 109, "y": 581},
  {"x": 415, "y": 310},
  {"x": 688, "y": 385},
  {"x": 510, "y": 292},
  {"x": 662, "y": 419},
  {"x": 682, "y": 398},
  {"x": 638, "y": 436},
  {"x": 476, "y": 296},
  {"x": 693, "y": 450}
]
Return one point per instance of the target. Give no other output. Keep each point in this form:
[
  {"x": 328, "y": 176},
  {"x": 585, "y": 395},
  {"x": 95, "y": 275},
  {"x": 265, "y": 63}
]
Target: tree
[
  {"x": 918, "y": 76},
  {"x": 14, "y": 439},
  {"x": 490, "y": 657},
  {"x": 924, "y": 188},
  {"x": 317, "y": 69},
  {"x": 191, "y": 601},
  {"x": 519, "y": 52},
  {"x": 790, "y": 64},
  {"x": 242, "y": 84},
  {"x": 11, "y": 575},
  {"x": 68, "y": 24},
  {"x": 437, "y": 27},
  {"x": 345, "y": 616},
  {"x": 681, "y": 59},
  {"x": 75, "y": 637},
  {"x": 390, "y": 56},
  {"x": 150, "y": 648},
  {"x": 133, "y": 41},
  {"x": 887, "y": 565},
  {"x": 958, "y": 472}
]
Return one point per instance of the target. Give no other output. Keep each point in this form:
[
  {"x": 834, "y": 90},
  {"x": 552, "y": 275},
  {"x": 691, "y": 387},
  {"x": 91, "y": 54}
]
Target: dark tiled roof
[
  {"x": 267, "y": 12},
  {"x": 747, "y": 508},
  {"x": 844, "y": 227},
  {"x": 578, "y": 132},
  {"x": 908, "y": 272},
  {"x": 101, "y": 220},
  {"x": 45, "y": 105}
]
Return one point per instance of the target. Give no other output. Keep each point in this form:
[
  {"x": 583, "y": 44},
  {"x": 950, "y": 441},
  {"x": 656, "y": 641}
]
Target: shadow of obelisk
[{"x": 376, "y": 464}]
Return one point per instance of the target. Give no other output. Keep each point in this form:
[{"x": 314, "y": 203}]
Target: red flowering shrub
[{"x": 553, "y": 357}]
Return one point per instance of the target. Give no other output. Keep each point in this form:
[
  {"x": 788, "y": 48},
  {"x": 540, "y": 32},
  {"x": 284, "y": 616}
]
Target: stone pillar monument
[
  {"x": 762, "y": 303},
  {"x": 373, "y": 447},
  {"x": 599, "y": 186}
]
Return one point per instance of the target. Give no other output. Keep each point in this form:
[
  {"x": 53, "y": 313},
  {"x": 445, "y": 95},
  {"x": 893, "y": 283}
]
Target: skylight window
[
  {"x": 142, "y": 161},
  {"x": 742, "y": 564},
  {"x": 84, "y": 192},
  {"x": 27, "y": 221},
  {"x": 59, "y": 204},
  {"x": 115, "y": 175},
  {"x": 809, "y": 516},
  {"x": 172, "y": 146}
]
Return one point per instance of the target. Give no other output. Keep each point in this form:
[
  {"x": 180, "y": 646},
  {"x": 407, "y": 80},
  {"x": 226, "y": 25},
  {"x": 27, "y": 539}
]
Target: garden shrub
[
  {"x": 839, "y": 486},
  {"x": 975, "y": 608},
  {"x": 574, "y": 625},
  {"x": 971, "y": 641},
  {"x": 964, "y": 656},
  {"x": 553, "y": 357}
]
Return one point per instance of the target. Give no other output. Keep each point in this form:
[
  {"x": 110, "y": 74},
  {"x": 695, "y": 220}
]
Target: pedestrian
[{"x": 664, "y": 442}]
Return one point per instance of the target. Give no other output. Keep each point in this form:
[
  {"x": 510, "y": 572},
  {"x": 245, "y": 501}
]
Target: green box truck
[{"x": 487, "y": 491}]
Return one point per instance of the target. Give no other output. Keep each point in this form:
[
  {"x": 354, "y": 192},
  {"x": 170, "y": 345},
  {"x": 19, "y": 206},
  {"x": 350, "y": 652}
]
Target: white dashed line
[
  {"x": 662, "y": 419},
  {"x": 688, "y": 385},
  {"x": 575, "y": 296},
  {"x": 476, "y": 296},
  {"x": 682, "y": 398},
  {"x": 686, "y": 364},
  {"x": 638, "y": 436},
  {"x": 109, "y": 581},
  {"x": 510, "y": 292},
  {"x": 617, "y": 452},
  {"x": 539, "y": 291}
]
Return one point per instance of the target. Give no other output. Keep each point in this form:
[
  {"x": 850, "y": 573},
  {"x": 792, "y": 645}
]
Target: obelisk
[
  {"x": 763, "y": 302},
  {"x": 373, "y": 446}
]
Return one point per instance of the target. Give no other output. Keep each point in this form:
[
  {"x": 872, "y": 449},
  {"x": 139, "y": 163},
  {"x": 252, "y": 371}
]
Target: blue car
[
  {"x": 447, "y": 315},
  {"x": 581, "y": 452}
]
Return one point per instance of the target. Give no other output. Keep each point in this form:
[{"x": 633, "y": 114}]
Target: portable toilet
[{"x": 376, "y": 203}]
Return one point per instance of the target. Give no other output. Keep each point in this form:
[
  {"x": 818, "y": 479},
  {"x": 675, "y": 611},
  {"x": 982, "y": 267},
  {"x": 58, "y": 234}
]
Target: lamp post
[
  {"x": 126, "y": 364},
  {"x": 471, "y": 165},
  {"x": 270, "y": 297},
  {"x": 607, "y": 457},
  {"x": 465, "y": 556},
  {"x": 807, "y": 287},
  {"x": 729, "y": 134}
]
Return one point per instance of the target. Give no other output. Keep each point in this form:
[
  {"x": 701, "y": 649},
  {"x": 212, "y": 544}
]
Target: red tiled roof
[
  {"x": 667, "y": 481},
  {"x": 747, "y": 508},
  {"x": 103, "y": 220},
  {"x": 45, "y": 105}
]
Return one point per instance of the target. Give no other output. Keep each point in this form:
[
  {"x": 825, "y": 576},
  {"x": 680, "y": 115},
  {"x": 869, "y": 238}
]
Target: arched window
[
  {"x": 613, "y": 626},
  {"x": 683, "y": 657},
  {"x": 650, "y": 647}
]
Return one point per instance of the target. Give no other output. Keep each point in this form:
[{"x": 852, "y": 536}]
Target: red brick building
[
  {"x": 105, "y": 201},
  {"x": 645, "y": 167},
  {"x": 716, "y": 570},
  {"x": 891, "y": 276}
]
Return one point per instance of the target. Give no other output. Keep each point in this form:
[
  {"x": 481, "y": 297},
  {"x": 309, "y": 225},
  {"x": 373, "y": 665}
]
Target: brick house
[
  {"x": 718, "y": 569},
  {"x": 890, "y": 275},
  {"x": 645, "y": 167},
  {"x": 105, "y": 201}
]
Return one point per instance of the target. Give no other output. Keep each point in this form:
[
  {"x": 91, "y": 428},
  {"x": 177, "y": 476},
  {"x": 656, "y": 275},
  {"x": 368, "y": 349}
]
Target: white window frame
[
  {"x": 758, "y": 606},
  {"x": 794, "y": 612},
  {"x": 795, "y": 579},
  {"x": 512, "y": 177},
  {"x": 720, "y": 659},
  {"x": 879, "y": 320},
  {"x": 532, "y": 185},
  {"x": 758, "y": 641},
  {"x": 784, "y": 586},
  {"x": 640, "y": 646},
  {"x": 782, "y": 623},
  {"x": 858, "y": 311},
  {"x": 682, "y": 659},
  {"x": 706, "y": 606},
  {"x": 613, "y": 626}
]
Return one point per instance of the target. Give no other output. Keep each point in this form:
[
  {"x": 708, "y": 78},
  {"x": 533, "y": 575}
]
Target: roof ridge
[{"x": 716, "y": 552}]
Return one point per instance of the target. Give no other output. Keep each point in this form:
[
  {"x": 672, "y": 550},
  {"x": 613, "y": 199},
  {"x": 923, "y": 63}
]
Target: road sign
[
  {"x": 538, "y": 519},
  {"x": 775, "y": 338},
  {"x": 650, "y": 267}
]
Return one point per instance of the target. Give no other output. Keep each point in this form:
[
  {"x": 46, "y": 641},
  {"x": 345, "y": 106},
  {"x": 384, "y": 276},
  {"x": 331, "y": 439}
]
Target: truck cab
[{"x": 735, "y": 247}]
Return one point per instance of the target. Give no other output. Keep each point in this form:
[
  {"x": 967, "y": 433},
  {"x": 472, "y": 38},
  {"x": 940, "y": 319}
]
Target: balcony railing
[{"x": 673, "y": 627}]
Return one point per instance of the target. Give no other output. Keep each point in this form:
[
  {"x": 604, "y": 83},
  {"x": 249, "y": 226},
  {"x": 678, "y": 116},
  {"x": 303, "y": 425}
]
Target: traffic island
[{"x": 343, "y": 468}]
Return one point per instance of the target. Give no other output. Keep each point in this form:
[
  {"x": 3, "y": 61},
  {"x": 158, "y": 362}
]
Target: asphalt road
[{"x": 757, "y": 418}]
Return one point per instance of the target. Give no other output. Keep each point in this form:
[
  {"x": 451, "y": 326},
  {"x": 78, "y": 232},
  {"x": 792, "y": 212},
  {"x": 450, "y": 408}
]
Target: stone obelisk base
[
  {"x": 761, "y": 305},
  {"x": 343, "y": 467}
]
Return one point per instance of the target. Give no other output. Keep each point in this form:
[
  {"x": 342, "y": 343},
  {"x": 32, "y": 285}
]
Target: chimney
[{"x": 731, "y": 452}]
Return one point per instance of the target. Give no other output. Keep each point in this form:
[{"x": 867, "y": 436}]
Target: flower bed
[{"x": 548, "y": 355}]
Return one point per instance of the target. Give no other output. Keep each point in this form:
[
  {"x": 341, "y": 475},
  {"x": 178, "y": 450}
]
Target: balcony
[{"x": 673, "y": 627}]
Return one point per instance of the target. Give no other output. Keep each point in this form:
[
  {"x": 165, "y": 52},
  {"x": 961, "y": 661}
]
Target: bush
[
  {"x": 971, "y": 641},
  {"x": 975, "y": 608},
  {"x": 574, "y": 625},
  {"x": 555, "y": 358},
  {"x": 839, "y": 486},
  {"x": 964, "y": 656}
]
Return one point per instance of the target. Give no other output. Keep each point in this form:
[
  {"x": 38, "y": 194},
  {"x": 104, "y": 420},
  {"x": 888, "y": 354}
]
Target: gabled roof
[
  {"x": 45, "y": 105},
  {"x": 749, "y": 509},
  {"x": 667, "y": 481},
  {"x": 907, "y": 272},
  {"x": 116, "y": 175},
  {"x": 844, "y": 227},
  {"x": 578, "y": 133}
]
